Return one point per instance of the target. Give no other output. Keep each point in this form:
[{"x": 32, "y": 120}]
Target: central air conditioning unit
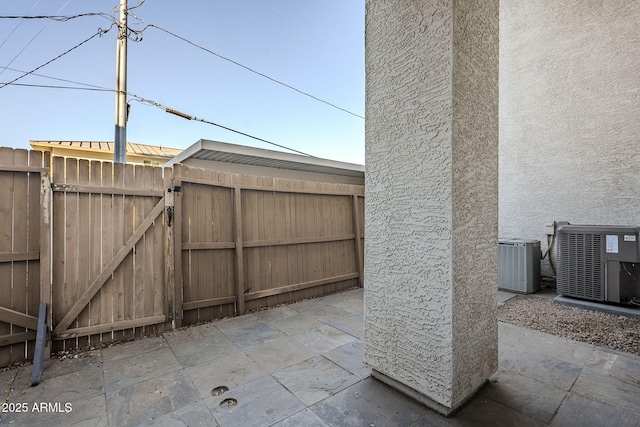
[
  {"x": 519, "y": 265},
  {"x": 599, "y": 263}
]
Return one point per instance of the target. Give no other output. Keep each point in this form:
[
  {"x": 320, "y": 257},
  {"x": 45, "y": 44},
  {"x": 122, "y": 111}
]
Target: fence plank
[
  {"x": 115, "y": 326},
  {"x": 142, "y": 175},
  {"x": 58, "y": 226},
  {"x": 195, "y": 246},
  {"x": 300, "y": 286},
  {"x": 124, "y": 304},
  {"x": 85, "y": 233},
  {"x": 207, "y": 267},
  {"x": 96, "y": 245},
  {"x": 108, "y": 248},
  {"x": 6, "y": 245},
  {"x": 298, "y": 241},
  {"x": 18, "y": 168},
  {"x": 72, "y": 217},
  {"x": 16, "y": 338},
  {"x": 156, "y": 260},
  {"x": 239, "y": 251},
  {"x": 191, "y": 305},
  {"x": 18, "y": 318},
  {"x": 280, "y": 273},
  {"x": 119, "y": 213},
  {"x": 191, "y": 261},
  {"x": 116, "y": 191},
  {"x": 19, "y": 256}
]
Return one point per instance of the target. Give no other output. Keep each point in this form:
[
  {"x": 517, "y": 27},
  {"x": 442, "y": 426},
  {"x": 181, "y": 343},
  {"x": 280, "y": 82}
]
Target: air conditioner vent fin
[{"x": 580, "y": 266}]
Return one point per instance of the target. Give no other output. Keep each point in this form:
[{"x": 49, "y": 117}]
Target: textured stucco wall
[
  {"x": 569, "y": 114},
  {"x": 431, "y": 194},
  {"x": 475, "y": 194}
]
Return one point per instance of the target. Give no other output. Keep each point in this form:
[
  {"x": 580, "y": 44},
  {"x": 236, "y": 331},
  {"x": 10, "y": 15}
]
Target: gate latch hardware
[
  {"x": 169, "y": 203},
  {"x": 169, "y": 215}
]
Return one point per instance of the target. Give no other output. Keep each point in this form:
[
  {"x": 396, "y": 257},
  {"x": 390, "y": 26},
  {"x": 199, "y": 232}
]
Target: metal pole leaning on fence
[{"x": 41, "y": 336}]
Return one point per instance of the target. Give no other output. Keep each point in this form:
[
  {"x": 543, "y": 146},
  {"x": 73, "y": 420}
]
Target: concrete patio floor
[{"x": 301, "y": 365}]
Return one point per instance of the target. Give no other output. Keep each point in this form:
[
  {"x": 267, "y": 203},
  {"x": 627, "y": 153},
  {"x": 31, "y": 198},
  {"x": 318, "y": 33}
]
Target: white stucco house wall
[
  {"x": 431, "y": 197},
  {"x": 569, "y": 115},
  {"x": 484, "y": 119}
]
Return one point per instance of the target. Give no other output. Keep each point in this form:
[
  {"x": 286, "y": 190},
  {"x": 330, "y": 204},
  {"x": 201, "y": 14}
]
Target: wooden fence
[
  {"x": 246, "y": 242},
  {"x": 121, "y": 251},
  {"x": 22, "y": 175}
]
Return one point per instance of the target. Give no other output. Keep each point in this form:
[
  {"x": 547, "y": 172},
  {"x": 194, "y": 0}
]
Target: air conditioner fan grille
[{"x": 580, "y": 272}]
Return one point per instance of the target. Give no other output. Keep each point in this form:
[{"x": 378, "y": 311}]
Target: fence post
[
  {"x": 169, "y": 255},
  {"x": 357, "y": 224},
  {"x": 177, "y": 255},
  {"x": 45, "y": 252},
  {"x": 239, "y": 254}
]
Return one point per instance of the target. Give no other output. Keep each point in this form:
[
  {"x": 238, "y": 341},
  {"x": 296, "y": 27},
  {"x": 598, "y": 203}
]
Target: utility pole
[{"x": 120, "y": 150}]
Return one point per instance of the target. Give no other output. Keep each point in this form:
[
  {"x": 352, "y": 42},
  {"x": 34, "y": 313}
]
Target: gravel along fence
[{"x": 601, "y": 329}]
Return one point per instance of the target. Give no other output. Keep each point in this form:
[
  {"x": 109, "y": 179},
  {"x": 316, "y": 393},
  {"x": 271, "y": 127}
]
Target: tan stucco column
[{"x": 432, "y": 196}]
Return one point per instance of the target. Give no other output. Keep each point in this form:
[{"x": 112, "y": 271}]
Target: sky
[{"x": 315, "y": 46}]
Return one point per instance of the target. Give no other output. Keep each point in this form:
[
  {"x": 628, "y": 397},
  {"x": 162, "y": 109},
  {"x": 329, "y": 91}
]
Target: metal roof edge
[
  {"x": 186, "y": 153},
  {"x": 205, "y": 144},
  {"x": 133, "y": 148}
]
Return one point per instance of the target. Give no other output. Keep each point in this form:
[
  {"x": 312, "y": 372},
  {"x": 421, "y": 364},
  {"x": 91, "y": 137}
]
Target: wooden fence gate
[
  {"x": 120, "y": 251},
  {"x": 108, "y": 250}
]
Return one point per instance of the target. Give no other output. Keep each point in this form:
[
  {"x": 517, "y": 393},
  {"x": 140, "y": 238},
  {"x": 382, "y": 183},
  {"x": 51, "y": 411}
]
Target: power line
[
  {"x": 36, "y": 35},
  {"x": 99, "y": 33},
  {"x": 59, "y": 18},
  {"x": 152, "y": 103},
  {"x": 18, "y": 24},
  {"x": 247, "y": 135},
  {"x": 53, "y": 78},
  {"x": 140, "y": 3},
  {"x": 197, "y": 119},
  {"x": 141, "y": 99},
  {"x": 245, "y": 67},
  {"x": 256, "y": 72},
  {"x": 96, "y": 89},
  {"x": 332, "y": 49}
]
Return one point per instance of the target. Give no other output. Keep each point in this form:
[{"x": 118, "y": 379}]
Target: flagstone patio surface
[{"x": 301, "y": 365}]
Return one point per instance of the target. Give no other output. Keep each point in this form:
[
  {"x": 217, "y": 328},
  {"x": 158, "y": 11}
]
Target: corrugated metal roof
[
  {"x": 222, "y": 152},
  {"x": 231, "y": 153},
  {"x": 132, "y": 147}
]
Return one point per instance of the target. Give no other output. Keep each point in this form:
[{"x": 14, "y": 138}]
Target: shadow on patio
[{"x": 301, "y": 365}]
